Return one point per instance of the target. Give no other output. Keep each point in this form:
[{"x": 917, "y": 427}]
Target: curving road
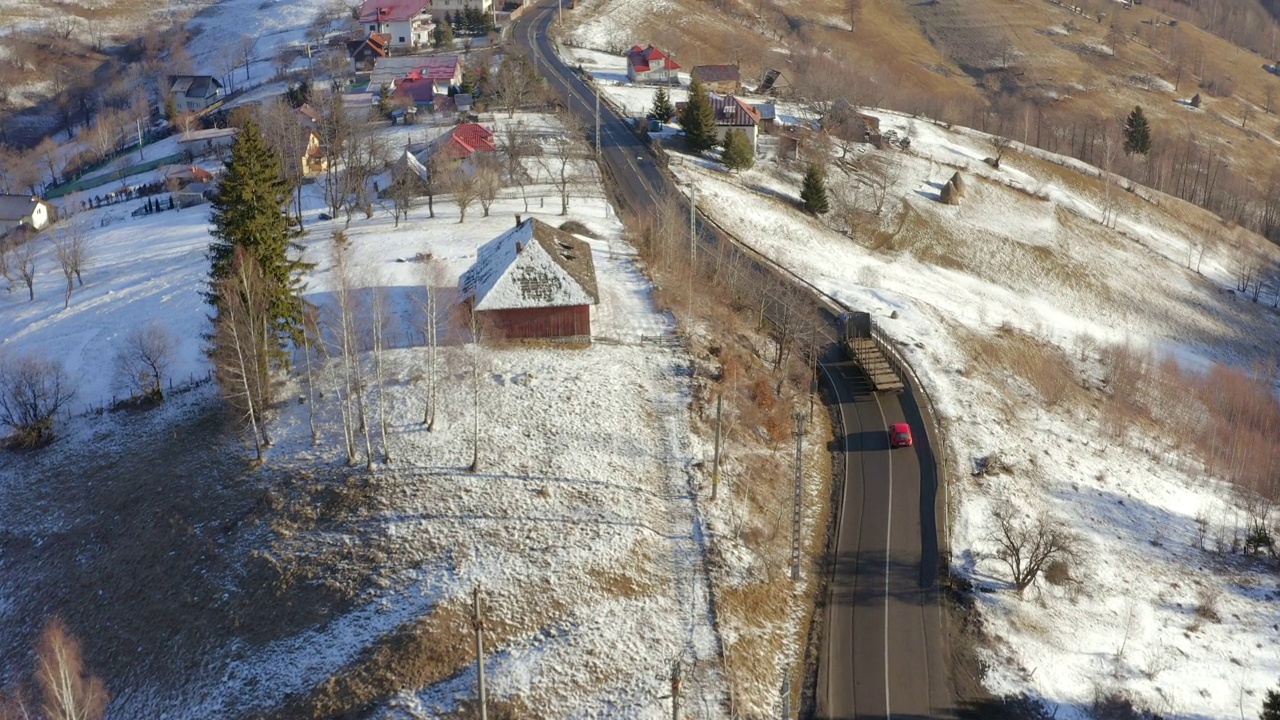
[{"x": 883, "y": 652}]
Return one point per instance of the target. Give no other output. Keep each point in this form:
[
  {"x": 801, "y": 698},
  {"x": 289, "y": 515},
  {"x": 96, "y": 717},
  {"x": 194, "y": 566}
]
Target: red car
[{"x": 899, "y": 435}]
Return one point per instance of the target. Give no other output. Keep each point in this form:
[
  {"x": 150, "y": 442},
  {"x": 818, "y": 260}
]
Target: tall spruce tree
[
  {"x": 699, "y": 118},
  {"x": 248, "y": 212},
  {"x": 1137, "y": 133},
  {"x": 662, "y": 109},
  {"x": 813, "y": 193},
  {"x": 442, "y": 35},
  {"x": 1271, "y": 705},
  {"x": 738, "y": 154}
]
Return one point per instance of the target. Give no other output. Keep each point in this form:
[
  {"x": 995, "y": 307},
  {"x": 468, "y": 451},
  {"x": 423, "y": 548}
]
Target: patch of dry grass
[
  {"x": 418, "y": 653},
  {"x": 1011, "y": 357}
]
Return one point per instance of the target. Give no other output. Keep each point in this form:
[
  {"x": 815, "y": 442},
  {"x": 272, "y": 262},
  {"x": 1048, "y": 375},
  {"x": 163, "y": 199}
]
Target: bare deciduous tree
[
  {"x": 240, "y": 345},
  {"x": 71, "y": 247},
  {"x": 517, "y": 83},
  {"x": 516, "y": 146},
  {"x": 68, "y": 690},
  {"x": 433, "y": 275},
  {"x": 1026, "y": 547},
  {"x": 244, "y": 49},
  {"x": 565, "y": 160},
  {"x": 32, "y": 391},
  {"x": 23, "y": 263},
  {"x": 881, "y": 181},
  {"x": 144, "y": 358},
  {"x": 488, "y": 179},
  {"x": 379, "y": 321},
  {"x": 465, "y": 188}
]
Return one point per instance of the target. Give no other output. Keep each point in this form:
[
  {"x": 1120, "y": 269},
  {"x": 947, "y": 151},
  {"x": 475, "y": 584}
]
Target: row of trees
[{"x": 70, "y": 242}]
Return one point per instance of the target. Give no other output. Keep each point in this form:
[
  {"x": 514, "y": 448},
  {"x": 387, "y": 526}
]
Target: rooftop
[
  {"x": 532, "y": 265},
  {"x": 17, "y": 207},
  {"x": 716, "y": 73},
  {"x": 642, "y": 57},
  {"x": 375, "y": 11}
]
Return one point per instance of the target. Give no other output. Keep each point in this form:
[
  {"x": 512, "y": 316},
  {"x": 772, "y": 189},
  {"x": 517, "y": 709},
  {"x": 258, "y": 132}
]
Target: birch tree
[
  {"x": 241, "y": 345},
  {"x": 343, "y": 330},
  {"x": 71, "y": 247},
  {"x": 379, "y": 322},
  {"x": 434, "y": 280},
  {"x": 68, "y": 691}
]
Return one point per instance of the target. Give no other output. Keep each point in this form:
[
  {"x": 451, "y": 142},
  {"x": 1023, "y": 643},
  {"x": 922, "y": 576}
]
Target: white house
[
  {"x": 441, "y": 9},
  {"x": 24, "y": 210},
  {"x": 194, "y": 93},
  {"x": 649, "y": 64},
  {"x": 408, "y": 23}
]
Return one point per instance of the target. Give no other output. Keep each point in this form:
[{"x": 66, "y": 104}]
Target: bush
[{"x": 32, "y": 391}]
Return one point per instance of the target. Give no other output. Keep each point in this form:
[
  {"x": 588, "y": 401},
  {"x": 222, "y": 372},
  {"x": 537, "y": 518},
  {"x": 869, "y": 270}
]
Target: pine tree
[
  {"x": 170, "y": 202},
  {"x": 1137, "y": 133},
  {"x": 814, "y": 191},
  {"x": 738, "y": 154},
  {"x": 1271, "y": 706},
  {"x": 248, "y": 213},
  {"x": 442, "y": 35},
  {"x": 662, "y": 109},
  {"x": 699, "y": 118}
]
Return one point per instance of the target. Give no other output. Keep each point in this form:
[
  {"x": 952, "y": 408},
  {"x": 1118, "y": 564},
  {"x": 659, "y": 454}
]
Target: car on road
[{"x": 899, "y": 435}]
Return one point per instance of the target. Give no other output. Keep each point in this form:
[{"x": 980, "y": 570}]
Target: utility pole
[
  {"x": 477, "y": 623},
  {"x": 139, "y": 124},
  {"x": 786, "y": 697},
  {"x": 675, "y": 690},
  {"x": 597, "y": 122},
  {"x": 560, "y": 5},
  {"x": 797, "y": 493},
  {"x": 693, "y": 227},
  {"x": 715, "y": 467}
]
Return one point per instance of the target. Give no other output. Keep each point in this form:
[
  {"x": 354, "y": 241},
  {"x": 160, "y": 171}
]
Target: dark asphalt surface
[{"x": 882, "y": 650}]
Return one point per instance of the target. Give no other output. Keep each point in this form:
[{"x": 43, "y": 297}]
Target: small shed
[{"x": 533, "y": 281}]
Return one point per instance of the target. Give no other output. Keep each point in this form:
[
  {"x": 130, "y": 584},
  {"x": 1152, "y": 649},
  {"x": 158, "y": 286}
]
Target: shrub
[
  {"x": 32, "y": 391},
  {"x": 1207, "y": 603}
]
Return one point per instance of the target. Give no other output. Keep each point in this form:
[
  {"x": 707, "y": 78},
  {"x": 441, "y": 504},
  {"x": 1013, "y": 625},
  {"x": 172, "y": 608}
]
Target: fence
[
  {"x": 116, "y": 176},
  {"x": 193, "y": 381}
]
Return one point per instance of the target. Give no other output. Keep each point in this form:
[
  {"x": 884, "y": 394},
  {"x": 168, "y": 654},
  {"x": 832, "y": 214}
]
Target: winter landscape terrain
[
  {"x": 1078, "y": 333},
  {"x": 1045, "y": 270}
]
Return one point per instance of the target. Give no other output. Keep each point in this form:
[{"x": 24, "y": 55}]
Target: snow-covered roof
[
  {"x": 17, "y": 207},
  {"x": 532, "y": 265}
]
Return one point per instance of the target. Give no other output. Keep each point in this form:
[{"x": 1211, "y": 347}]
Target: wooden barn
[{"x": 533, "y": 281}]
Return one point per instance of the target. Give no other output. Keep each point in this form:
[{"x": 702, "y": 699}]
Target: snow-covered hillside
[
  {"x": 1025, "y": 258},
  {"x": 580, "y": 527}
]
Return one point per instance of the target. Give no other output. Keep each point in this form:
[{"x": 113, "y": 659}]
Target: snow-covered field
[
  {"x": 1025, "y": 252},
  {"x": 580, "y": 526}
]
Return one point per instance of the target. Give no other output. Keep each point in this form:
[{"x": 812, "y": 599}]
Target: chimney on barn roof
[{"x": 517, "y": 219}]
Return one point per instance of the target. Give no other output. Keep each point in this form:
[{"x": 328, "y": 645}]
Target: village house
[
  {"x": 195, "y": 193},
  {"x": 203, "y": 142},
  {"x": 431, "y": 75},
  {"x": 441, "y": 9},
  {"x": 533, "y": 281},
  {"x": 649, "y": 64},
  {"x": 733, "y": 113},
  {"x": 193, "y": 93},
  {"x": 406, "y": 23},
  {"x": 723, "y": 79},
  {"x": 365, "y": 53},
  {"x": 24, "y": 211},
  {"x": 461, "y": 142}
]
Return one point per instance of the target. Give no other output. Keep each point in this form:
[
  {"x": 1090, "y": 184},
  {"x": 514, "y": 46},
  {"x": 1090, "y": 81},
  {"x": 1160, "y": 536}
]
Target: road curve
[{"x": 882, "y": 652}]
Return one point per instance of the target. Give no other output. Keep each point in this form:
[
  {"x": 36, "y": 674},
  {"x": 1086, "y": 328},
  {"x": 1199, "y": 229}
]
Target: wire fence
[{"x": 193, "y": 381}]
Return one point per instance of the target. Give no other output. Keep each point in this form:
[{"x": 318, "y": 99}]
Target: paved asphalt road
[{"x": 882, "y": 650}]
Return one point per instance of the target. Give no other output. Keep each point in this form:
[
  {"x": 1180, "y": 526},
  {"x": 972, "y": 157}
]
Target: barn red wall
[{"x": 553, "y": 322}]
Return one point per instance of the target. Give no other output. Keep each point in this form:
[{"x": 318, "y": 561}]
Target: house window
[
  {"x": 373, "y": 28},
  {"x": 402, "y": 38}
]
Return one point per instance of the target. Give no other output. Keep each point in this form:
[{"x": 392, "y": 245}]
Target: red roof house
[
  {"x": 649, "y": 64},
  {"x": 463, "y": 140},
  {"x": 365, "y": 53}
]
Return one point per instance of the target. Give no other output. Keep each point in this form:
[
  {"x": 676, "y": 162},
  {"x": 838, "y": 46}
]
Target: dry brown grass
[
  {"x": 944, "y": 60},
  {"x": 1012, "y": 356},
  {"x": 418, "y": 653}
]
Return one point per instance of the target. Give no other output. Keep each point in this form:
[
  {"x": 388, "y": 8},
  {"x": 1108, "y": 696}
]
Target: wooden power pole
[
  {"x": 715, "y": 466},
  {"x": 675, "y": 690},
  {"x": 477, "y": 623}
]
